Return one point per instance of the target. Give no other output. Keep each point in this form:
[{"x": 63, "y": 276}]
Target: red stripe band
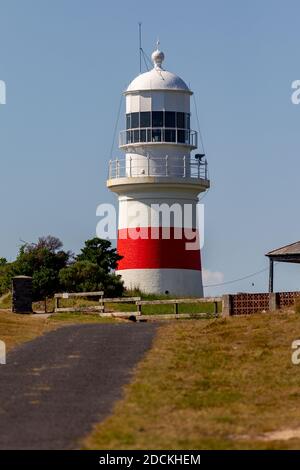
[{"x": 159, "y": 247}]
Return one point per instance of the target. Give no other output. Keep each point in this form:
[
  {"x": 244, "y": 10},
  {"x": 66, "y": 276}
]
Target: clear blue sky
[{"x": 66, "y": 62}]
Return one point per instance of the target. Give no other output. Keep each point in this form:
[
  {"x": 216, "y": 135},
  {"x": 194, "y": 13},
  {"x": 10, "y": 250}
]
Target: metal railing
[
  {"x": 167, "y": 135},
  {"x": 182, "y": 167}
]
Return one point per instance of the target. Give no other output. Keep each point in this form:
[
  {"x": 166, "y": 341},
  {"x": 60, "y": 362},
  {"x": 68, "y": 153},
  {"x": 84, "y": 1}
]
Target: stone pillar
[
  {"x": 273, "y": 301},
  {"x": 226, "y": 305},
  {"x": 22, "y": 294}
]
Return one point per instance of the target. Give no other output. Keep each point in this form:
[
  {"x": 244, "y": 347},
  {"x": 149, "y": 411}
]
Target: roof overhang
[
  {"x": 286, "y": 254},
  {"x": 169, "y": 90}
]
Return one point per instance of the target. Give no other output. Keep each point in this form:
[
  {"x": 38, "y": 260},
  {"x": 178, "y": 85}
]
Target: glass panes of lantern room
[{"x": 158, "y": 126}]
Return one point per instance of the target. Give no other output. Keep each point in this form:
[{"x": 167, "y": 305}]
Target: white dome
[{"x": 157, "y": 79}]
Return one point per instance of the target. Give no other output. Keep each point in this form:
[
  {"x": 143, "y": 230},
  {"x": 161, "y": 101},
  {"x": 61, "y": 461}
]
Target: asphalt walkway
[{"x": 54, "y": 388}]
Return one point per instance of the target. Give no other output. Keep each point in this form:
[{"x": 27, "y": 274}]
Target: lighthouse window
[
  {"x": 145, "y": 119},
  {"x": 135, "y": 121},
  {"x": 128, "y": 137},
  {"x": 156, "y": 135},
  {"x": 157, "y": 119},
  {"x": 170, "y": 135},
  {"x": 136, "y": 135},
  {"x": 170, "y": 120},
  {"x": 158, "y": 126},
  {"x": 188, "y": 121},
  {"x": 181, "y": 136},
  {"x": 143, "y": 135},
  {"x": 180, "y": 120}
]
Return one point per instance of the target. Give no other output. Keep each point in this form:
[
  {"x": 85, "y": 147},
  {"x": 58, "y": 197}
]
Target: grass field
[
  {"x": 74, "y": 317},
  {"x": 5, "y": 301},
  {"x": 16, "y": 329},
  {"x": 164, "y": 309},
  {"x": 212, "y": 384}
]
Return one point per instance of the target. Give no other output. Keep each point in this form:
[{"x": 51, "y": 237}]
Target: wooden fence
[
  {"x": 232, "y": 304},
  {"x": 100, "y": 307},
  {"x": 72, "y": 295},
  {"x": 102, "y": 301},
  {"x": 177, "y": 302}
]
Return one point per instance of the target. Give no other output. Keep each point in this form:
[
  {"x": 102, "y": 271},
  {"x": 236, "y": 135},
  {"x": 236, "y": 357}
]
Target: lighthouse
[{"x": 158, "y": 182}]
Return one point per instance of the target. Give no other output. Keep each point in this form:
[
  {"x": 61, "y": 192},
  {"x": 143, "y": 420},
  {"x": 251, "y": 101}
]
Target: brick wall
[{"x": 247, "y": 304}]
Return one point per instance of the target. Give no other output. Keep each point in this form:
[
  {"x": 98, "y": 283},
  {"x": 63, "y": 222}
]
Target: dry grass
[
  {"x": 16, "y": 329},
  {"x": 213, "y": 384},
  {"x": 5, "y": 301},
  {"x": 73, "y": 317}
]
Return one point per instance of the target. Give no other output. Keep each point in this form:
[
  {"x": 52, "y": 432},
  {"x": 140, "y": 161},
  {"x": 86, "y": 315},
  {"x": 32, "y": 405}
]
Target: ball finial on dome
[{"x": 157, "y": 57}]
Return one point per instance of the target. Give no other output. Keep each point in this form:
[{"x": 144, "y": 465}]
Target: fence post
[
  {"x": 176, "y": 308},
  {"x": 56, "y": 304},
  {"x": 226, "y": 305},
  {"x": 101, "y": 302},
  {"x": 184, "y": 166},
  {"x": 273, "y": 301},
  {"x": 166, "y": 165}
]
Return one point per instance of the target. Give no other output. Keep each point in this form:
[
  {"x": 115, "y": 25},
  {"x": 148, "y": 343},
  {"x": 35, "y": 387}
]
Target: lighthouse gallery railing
[{"x": 166, "y": 166}]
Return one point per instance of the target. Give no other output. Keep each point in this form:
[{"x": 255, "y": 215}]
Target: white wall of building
[
  {"x": 158, "y": 101},
  {"x": 179, "y": 282}
]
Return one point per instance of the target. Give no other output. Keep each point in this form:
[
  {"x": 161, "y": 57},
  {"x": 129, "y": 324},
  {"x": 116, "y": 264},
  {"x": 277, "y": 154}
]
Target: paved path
[{"x": 53, "y": 389}]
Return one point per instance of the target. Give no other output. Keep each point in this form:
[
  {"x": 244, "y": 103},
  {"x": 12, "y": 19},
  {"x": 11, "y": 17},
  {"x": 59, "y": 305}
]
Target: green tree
[
  {"x": 93, "y": 270},
  {"x": 43, "y": 261},
  {"x": 81, "y": 276},
  {"x": 84, "y": 276},
  {"x": 7, "y": 271},
  {"x": 100, "y": 252}
]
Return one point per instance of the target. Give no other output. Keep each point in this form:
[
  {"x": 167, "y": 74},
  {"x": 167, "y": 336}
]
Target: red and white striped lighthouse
[{"x": 158, "y": 183}]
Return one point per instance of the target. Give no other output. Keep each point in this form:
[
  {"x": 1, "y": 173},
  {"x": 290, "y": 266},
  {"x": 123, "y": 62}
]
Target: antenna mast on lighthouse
[{"x": 140, "y": 45}]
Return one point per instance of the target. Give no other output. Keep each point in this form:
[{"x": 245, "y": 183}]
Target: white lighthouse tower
[{"x": 158, "y": 183}]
